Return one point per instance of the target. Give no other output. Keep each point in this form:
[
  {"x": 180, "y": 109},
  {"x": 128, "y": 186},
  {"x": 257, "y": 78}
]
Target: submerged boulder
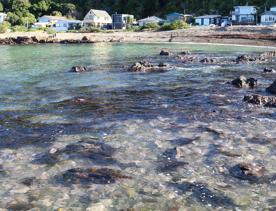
[
  {"x": 78, "y": 69},
  {"x": 165, "y": 52},
  {"x": 268, "y": 55},
  {"x": 267, "y": 101},
  {"x": 243, "y": 82},
  {"x": 272, "y": 88},
  {"x": 247, "y": 171},
  {"x": 92, "y": 176},
  {"x": 147, "y": 67}
]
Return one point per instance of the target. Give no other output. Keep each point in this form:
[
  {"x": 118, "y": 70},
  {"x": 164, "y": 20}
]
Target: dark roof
[
  {"x": 175, "y": 13},
  {"x": 209, "y": 16}
]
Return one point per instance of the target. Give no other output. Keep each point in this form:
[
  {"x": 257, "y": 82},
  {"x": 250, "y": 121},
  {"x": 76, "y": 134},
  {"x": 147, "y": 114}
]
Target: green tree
[{"x": 1, "y": 7}]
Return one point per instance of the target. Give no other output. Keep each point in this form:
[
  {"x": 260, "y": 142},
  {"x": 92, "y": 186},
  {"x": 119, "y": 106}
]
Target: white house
[
  {"x": 207, "y": 20},
  {"x": 57, "y": 23},
  {"x": 2, "y": 17},
  {"x": 269, "y": 17},
  {"x": 244, "y": 15},
  {"x": 152, "y": 19},
  {"x": 97, "y": 18}
]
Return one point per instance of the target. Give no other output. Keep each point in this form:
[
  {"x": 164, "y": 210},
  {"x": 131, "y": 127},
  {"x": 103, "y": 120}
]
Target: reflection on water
[{"x": 110, "y": 139}]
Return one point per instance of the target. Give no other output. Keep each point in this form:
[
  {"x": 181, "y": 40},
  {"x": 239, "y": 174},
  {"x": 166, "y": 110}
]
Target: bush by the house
[
  {"x": 19, "y": 28},
  {"x": 89, "y": 29},
  {"x": 4, "y": 27},
  {"x": 174, "y": 26},
  {"x": 150, "y": 26},
  {"x": 50, "y": 31}
]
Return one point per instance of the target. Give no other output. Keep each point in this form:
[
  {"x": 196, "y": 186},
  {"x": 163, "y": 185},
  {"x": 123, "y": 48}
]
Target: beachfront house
[
  {"x": 3, "y": 16},
  {"x": 207, "y": 20},
  {"x": 57, "y": 23},
  {"x": 152, "y": 19},
  {"x": 97, "y": 18},
  {"x": 178, "y": 16},
  {"x": 244, "y": 15},
  {"x": 269, "y": 17},
  {"x": 122, "y": 21}
]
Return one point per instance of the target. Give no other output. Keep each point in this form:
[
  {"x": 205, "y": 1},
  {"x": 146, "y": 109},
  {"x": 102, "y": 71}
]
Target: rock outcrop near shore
[
  {"x": 243, "y": 82},
  {"x": 147, "y": 67},
  {"x": 272, "y": 88},
  {"x": 267, "y": 101},
  {"x": 25, "y": 40}
]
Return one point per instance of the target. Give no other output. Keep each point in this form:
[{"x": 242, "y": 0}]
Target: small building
[
  {"x": 152, "y": 19},
  {"x": 57, "y": 23},
  {"x": 269, "y": 17},
  {"x": 244, "y": 15},
  {"x": 97, "y": 18},
  {"x": 3, "y": 16},
  {"x": 178, "y": 16},
  {"x": 207, "y": 20},
  {"x": 122, "y": 21}
]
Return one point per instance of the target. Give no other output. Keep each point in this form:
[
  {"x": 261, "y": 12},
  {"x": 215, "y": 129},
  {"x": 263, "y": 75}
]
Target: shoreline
[{"x": 234, "y": 35}]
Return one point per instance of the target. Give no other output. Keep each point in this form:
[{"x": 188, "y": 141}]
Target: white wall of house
[
  {"x": 2, "y": 17},
  {"x": 97, "y": 18},
  {"x": 268, "y": 19}
]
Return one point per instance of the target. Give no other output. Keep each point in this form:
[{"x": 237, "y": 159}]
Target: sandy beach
[{"x": 241, "y": 35}]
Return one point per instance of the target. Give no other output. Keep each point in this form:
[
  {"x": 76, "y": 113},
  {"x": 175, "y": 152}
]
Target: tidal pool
[{"x": 166, "y": 141}]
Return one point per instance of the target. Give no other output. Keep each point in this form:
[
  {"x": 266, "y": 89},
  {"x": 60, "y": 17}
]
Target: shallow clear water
[{"x": 133, "y": 123}]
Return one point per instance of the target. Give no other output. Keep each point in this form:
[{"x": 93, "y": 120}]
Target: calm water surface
[{"x": 143, "y": 142}]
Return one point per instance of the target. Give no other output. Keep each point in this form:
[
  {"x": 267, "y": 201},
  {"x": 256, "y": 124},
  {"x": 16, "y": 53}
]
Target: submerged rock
[
  {"x": 267, "y": 101},
  {"x": 247, "y": 171},
  {"x": 202, "y": 194},
  {"x": 165, "y": 52},
  {"x": 78, "y": 101},
  {"x": 92, "y": 176},
  {"x": 269, "y": 70},
  {"x": 243, "y": 82},
  {"x": 147, "y": 67},
  {"x": 272, "y": 88},
  {"x": 78, "y": 69}
]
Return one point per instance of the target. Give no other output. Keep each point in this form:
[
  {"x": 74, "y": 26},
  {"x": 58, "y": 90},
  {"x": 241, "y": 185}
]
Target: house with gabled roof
[
  {"x": 268, "y": 18},
  {"x": 97, "y": 18}
]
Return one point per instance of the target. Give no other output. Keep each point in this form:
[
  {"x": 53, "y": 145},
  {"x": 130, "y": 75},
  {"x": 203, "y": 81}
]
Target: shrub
[
  {"x": 4, "y": 27},
  {"x": 89, "y": 29},
  {"x": 50, "y": 31},
  {"x": 19, "y": 28},
  {"x": 174, "y": 26},
  {"x": 150, "y": 26}
]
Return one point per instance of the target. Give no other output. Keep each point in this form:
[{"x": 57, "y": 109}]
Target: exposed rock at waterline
[
  {"x": 245, "y": 59},
  {"x": 267, "y": 101},
  {"x": 272, "y": 88},
  {"x": 269, "y": 70},
  {"x": 243, "y": 82},
  {"x": 78, "y": 69},
  {"x": 186, "y": 52},
  {"x": 147, "y": 67},
  {"x": 268, "y": 55},
  {"x": 207, "y": 60},
  {"x": 165, "y": 52}
]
